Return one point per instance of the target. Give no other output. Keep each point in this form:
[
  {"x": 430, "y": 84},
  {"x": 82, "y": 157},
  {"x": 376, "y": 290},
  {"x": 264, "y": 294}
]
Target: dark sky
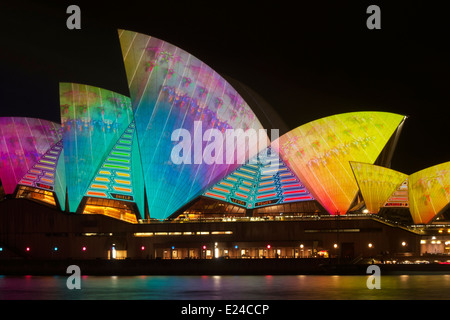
[{"x": 306, "y": 60}]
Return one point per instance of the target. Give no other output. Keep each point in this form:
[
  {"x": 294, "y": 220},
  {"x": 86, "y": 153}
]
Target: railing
[
  {"x": 287, "y": 217},
  {"x": 262, "y": 219}
]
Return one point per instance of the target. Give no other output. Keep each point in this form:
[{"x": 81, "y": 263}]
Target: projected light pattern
[
  {"x": 400, "y": 197},
  {"x": 429, "y": 192},
  {"x": 376, "y": 183},
  {"x": 263, "y": 181},
  {"x": 23, "y": 141},
  {"x": 170, "y": 89},
  {"x": 319, "y": 153},
  {"x": 92, "y": 120},
  {"x": 120, "y": 175},
  {"x": 48, "y": 173}
]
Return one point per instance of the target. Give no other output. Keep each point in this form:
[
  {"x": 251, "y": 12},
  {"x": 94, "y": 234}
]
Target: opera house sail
[
  {"x": 377, "y": 184},
  {"x": 31, "y": 160},
  {"x": 263, "y": 181},
  {"x": 429, "y": 192},
  {"x": 319, "y": 153},
  {"x": 98, "y": 135},
  {"x": 173, "y": 92}
]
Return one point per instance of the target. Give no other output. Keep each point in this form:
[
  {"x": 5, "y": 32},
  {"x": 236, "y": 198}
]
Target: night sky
[{"x": 306, "y": 61}]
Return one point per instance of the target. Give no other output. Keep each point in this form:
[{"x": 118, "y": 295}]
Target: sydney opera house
[{"x": 110, "y": 181}]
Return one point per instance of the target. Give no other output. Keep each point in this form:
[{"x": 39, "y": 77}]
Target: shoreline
[{"x": 129, "y": 267}]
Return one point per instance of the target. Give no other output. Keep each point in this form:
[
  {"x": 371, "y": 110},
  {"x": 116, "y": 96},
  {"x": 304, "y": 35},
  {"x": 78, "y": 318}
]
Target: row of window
[{"x": 189, "y": 233}]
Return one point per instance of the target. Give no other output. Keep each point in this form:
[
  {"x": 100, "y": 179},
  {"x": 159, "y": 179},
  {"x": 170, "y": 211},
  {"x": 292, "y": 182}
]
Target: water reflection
[{"x": 301, "y": 287}]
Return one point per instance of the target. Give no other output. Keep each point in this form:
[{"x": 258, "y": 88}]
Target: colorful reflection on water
[{"x": 304, "y": 287}]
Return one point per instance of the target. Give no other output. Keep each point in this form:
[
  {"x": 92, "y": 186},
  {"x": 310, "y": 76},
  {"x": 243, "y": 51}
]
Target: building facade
[{"x": 151, "y": 176}]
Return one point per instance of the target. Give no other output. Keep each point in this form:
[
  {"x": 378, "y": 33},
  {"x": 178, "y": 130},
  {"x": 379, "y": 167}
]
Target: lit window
[
  {"x": 221, "y": 232},
  {"x": 143, "y": 234}
]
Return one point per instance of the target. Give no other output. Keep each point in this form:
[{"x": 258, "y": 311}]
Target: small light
[
  {"x": 1, "y": 249},
  {"x": 268, "y": 246},
  {"x": 235, "y": 246},
  {"x": 173, "y": 247},
  {"x": 204, "y": 247},
  {"x": 142, "y": 248},
  {"x": 301, "y": 246},
  {"x": 84, "y": 248},
  {"x": 335, "y": 245},
  {"x": 55, "y": 249},
  {"x": 27, "y": 249},
  {"x": 403, "y": 243},
  {"x": 370, "y": 245}
]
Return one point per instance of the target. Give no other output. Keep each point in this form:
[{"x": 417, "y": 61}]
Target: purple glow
[{"x": 22, "y": 142}]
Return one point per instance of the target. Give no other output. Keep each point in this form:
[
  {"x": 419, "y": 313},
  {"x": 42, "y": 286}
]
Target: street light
[{"x": 204, "y": 252}]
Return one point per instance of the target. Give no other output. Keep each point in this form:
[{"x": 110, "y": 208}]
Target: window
[
  {"x": 113, "y": 208},
  {"x": 36, "y": 194}
]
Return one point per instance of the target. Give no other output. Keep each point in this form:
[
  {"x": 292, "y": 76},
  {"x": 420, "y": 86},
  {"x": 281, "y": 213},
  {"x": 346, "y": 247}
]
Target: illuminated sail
[
  {"x": 319, "y": 153},
  {"x": 171, "y": 92},
  {"x": 263, "y": 181},
  {"x": 23, "y": 141},
  {"x": 376, "y": 183},
  {"x": 120, "y": 176},
  {"x": 48, "y": 173},
  {"x": 92, "y": 120},
  {"x": 429, "y": 192}
]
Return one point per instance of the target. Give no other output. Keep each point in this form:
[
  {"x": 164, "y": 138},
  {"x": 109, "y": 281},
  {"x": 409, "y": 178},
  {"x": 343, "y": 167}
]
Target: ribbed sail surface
[
  {"x": 92, "y": 120},
  {"x": 376, "y": 183},
  {"x": 23, "y": 141},
  {"x": 263, "y": 181},
  {"x": 120, "y": 175},
  {"x": 319, "y": 153},
  {"x": 48, "y": 173},
  {"x": 176, "y": 99},
  {"x": 429, "y": 192}
]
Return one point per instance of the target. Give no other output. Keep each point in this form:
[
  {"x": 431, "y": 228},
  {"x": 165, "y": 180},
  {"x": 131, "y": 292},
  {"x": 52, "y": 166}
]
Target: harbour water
[{"x": 301, "y": 287}]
